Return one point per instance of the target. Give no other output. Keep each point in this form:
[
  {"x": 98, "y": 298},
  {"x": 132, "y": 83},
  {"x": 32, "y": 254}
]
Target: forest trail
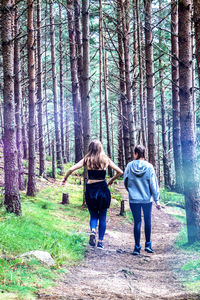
[{"x": 114, "y": 273}]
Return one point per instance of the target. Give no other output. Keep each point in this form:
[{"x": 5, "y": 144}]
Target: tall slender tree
[
  {"x": 175, "y": 98},
  {"x": 55, "y": 96},
  {"x": 78, "y": 131},
  {"x": 196, "y": 4},
  {"x": 18, "y": 100},
  {"x": 40, "y": 93},
  {"x": 188, "y": 137},
  {"x": 61, "y": 85},
  {"x": 86, "y": 115},
  {"x": 31, "y": 189},
  {"x": 125, "y": 11},
  {"x": 151, "y": 115},
  {"x": 12, "y": 197},
  {"x": 141, "y": 76},
  {"x": 123, "y": 98}
]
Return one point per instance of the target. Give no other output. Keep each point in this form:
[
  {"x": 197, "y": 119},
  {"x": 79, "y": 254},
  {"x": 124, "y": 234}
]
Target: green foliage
[
  {"x": 129, "y": 216},
  {"x": 191, "y": 270},
  {"x": 48, "y": 158},
  {"x": 192, "y": 275},
  {"x": 45, "y": 225},
  {"x": 172, "y": 198}
]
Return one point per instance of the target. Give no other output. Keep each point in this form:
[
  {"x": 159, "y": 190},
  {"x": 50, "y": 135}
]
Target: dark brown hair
[
  {"x": 96, "y": 157},
  {"x": 140, "y": 150}
]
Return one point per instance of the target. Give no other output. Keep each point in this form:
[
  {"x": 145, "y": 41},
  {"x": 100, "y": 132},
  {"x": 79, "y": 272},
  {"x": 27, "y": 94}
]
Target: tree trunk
[
  {"x": 164, "y": 128},
  {"x": 105, "y": 71},
  {"x": 188, "y": 137},
  {"x": 125, "y": 7},
  {"x": 45, "y": 84},
  {"x": 18, "y": 102},
  {"x": 123, "y": 99},
  {"x": 39, "y": 92},
  {"x": 61, "y": 86},
  {"x": 151, "y": 115},
  {"x": 79, "y": 45},
  {"x": 86, "y": 114},
  {"x": 163, "y": 113},
  {"x": 175, "y": 98},
  {"x": 141, "y": 82},
  {"x": 12, "y": 197},
  {"x": 196, "y": 19},
  {"x": 55, "y": 100},
  {"x": 135, "y": 46},
  {"x": 24, "y": 114},
  {"x": 31, "y": 190},
  {"x": 75, "y": 86},
  {"x": 100, "y": 70},
  {"x": 120, "y": 136}
]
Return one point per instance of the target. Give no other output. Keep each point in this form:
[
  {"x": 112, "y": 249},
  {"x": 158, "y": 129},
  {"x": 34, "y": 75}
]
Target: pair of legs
[
  {"x": 95, "y": 216},
  {"x": 136, "y": 209}
]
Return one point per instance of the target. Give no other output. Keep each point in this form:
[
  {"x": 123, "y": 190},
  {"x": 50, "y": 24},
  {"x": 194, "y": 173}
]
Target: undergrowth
[
  {"x": 175, "y": 206},
  {"x": 45, "y": 225}
]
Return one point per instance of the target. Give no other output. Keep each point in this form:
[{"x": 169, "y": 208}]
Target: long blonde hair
[{"x": 96, "y": 157}]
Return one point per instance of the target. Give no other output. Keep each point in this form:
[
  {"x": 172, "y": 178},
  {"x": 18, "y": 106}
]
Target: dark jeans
[
  {"x": 136, "y": 211},
  {"x": 100, "y": 215}
]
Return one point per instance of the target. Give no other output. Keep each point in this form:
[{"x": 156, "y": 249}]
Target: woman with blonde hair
[{"x": 97, "y": 194}]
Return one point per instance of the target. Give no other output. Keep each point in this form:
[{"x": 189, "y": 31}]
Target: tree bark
[
  {"x": 24, "y": 113},
  {"x": 31, "y": 190},
  {"x": 105, "y": 71},
  {"x": 141, "y": 82},
  {"x": 175, "y": 98},
  {"x": 79, "y": 45},
  {"x": 86, "y": 114},
  {"x": 61, "y": 86},
  {"x": 123, "y": 99},
  {"x": 45, "y": 84},
  {"x": 196, "y": 18},
  {"x": 39, "y": 93},
  {"x": 135, "y": 49},
  {"x": 151, "y": 115},
  {"x": 75, "y": 86},
  {"x": 188, "y": 137},
  {"x": 12, "y": 196},
  {"x": 100, "y": 70},
  {"x": 125, "y": 7},
  {"x": 18, "y": 101},
  {"x": 55, "y": 100}
]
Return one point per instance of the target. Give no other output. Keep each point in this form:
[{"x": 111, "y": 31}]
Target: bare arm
[
  {"x": 72, "y": 169},
  {"x": 117, "y": 169}
]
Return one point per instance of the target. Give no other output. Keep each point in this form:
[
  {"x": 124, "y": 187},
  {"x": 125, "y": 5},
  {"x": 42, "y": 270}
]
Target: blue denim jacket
[{"x": 141, "y": 182}]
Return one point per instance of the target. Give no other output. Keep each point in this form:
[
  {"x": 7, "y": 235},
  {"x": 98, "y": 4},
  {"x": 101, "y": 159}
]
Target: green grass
[
  {"x": 45, "y": 225},
  {"x": 172, "y": 198},
  {"x": 191, "y": 270}
]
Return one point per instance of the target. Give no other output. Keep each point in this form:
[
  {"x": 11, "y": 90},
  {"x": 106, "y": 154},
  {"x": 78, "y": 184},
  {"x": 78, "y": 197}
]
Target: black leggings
[{"x": 136, "y": 211}]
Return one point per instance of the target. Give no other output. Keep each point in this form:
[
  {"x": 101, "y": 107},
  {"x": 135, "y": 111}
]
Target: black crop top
[{"x": 96, "y": 174}]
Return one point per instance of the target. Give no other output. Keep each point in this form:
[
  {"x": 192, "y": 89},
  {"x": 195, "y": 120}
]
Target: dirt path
[{"x": 114, "y": 273}]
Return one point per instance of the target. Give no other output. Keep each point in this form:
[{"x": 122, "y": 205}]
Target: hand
[
  {"x": 158, "y": 206},
  {"x": 110, "y": 182},
  {"x": 63, "y": 182}
]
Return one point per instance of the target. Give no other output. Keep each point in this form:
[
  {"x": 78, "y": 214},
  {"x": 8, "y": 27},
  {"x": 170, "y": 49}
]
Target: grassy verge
[
  {"x": 45, "y": 225},
  {"x": 191, "y": 270}
]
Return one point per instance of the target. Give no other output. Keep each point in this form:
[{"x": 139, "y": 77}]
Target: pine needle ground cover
[
  {"x": 191, "y": 269},
  {"x": 45, "y": 225}
]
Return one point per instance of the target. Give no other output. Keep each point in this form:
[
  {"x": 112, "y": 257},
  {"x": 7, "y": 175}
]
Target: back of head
[
  {"x": 96, "y": 157},
  {"x": 140, "y": 151}
]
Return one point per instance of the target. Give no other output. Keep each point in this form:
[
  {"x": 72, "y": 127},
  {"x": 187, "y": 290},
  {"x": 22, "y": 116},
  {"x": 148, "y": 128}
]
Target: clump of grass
[
  {"x": 192, "y": 275},
  {"x": 172, "y": 199}
]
